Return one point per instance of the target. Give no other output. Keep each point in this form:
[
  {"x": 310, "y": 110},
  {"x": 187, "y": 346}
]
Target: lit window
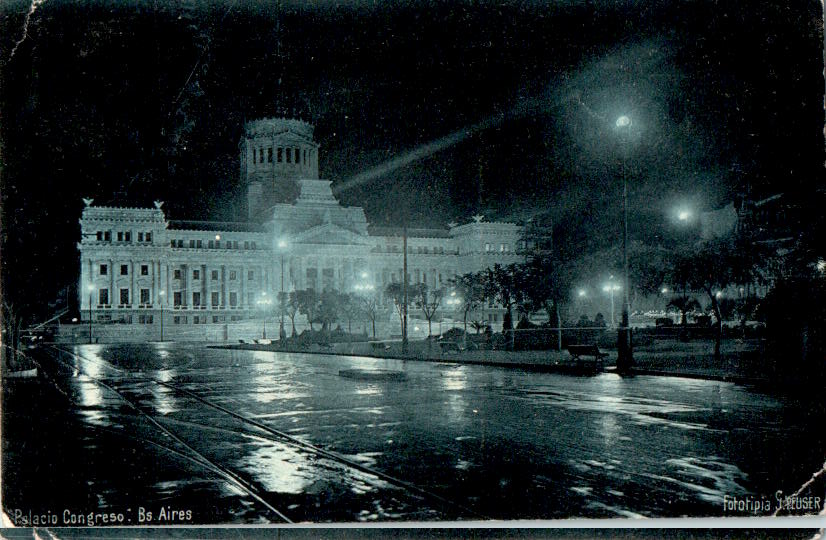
[{"x": 487, "y": 247}]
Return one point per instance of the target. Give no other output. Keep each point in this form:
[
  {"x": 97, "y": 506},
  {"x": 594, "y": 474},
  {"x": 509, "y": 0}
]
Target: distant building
[{"x": 136, "y": 263}]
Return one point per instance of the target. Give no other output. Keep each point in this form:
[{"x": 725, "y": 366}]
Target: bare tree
[{"x": 428, "y": 302}]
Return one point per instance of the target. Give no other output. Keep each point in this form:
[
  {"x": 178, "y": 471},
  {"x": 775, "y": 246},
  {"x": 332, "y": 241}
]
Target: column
[
  {"x": 111, "y": 282},
  {"x": 242, "y": 302},
  {"x": 132, "y": 301},
  {"x": 224, "y": 300}
]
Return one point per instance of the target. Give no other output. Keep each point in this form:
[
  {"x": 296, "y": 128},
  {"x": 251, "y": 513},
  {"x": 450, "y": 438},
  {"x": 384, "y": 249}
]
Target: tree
[
  {"x": 308, "y": 304},
  {"x": 370, "y": 308},
  {"x": 291, "y": 307},
  {"x": 395, "y": 291},
  {"x": 330, "y": 307},
  {"x": 712, "y": 266},
  {"x": 478, "y": 325},
  {"x": 684, "y": 304},
  {"x": 429, "y": 302},
  {"x": 505, "y": 285},
  {"x": 470, "y": 289},
  {"x": 543, "y": 286},
  {"x": 351, "y": 308}
]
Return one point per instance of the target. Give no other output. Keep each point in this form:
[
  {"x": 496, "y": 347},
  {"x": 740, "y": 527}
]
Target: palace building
[{"x": 138, "y": 266}]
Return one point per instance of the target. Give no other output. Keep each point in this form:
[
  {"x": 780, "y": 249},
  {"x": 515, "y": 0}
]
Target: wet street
[{"x": 181, "y": 433}]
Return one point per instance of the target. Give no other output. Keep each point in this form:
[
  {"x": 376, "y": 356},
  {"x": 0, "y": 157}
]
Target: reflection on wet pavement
[{"x": 449, "y": 442}]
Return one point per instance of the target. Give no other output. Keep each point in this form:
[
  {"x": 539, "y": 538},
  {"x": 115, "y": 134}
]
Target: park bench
[
  {"x": 379, "y": 346},
  {"x": 580, "y": 352}
]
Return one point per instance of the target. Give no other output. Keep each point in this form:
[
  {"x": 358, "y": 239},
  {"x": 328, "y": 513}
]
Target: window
[
  {"x": 502, "y": 248},
  {"x": 140, "y": 237},
  {"x": 179, "y": 319},
  {"x": 217, "y": 244},
  {"x": 124, "y": 296},
  {"x": 214, "y": 299},
  {"x": 269, "y": 155},
  {"x": 199, "y": 243},
  {"x": 487, "y": 247},
  {"x": 252, "y": 245},
  {"x": 260, "y": 155},
  {"x": 144, "y": 269},
  {"x": 289, "y": 155},
  {"x": 232, "y": 275},
  {"x": 198, "y": 319},
  {"x": 100, "y": 236},
  {"x": 177, "y": 273},
  {"x": 104, "y": 269},
  {"x": 297, "y": 155},
  {"x": 177, "y": 298},
  {"x": 120, "y": 236},
  {"x": 235, "y": 244},
  {"x": 278, "y": 155},
  {"x": 107, "y": 236},
  {"x": 145, "y": 296},
  {"x": 124, "y": 269},
  {"x": 251, "y": 275},
  {"x": 127, "y": 236},
  {"x": 180, "y": 243},
  {"x": 233, "y": 299},
  {"x": 218, "y": 318},
  {"x": 196, "y": 274},
  {"x": 305, "y": 157},
  {"x": 211, "y": 244},
  {"x": 215, "y": 274},
  {"x": 148, "y": 237},
  {"x": 250, "y": 298},
  {"x": 196, "y": 299},
  {"x": 145, "y": 319},
  {"x": 192, "y": 243},
  {"x": 229, "y": 244},
  {"x": 173, "y": 243},
  {"x": 103, "y": 297},
  {"x": 246, "y": 244}
]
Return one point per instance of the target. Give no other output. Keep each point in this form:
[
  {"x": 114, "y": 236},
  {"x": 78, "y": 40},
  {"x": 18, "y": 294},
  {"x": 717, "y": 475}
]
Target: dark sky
[{"x": 149, "y": 98}]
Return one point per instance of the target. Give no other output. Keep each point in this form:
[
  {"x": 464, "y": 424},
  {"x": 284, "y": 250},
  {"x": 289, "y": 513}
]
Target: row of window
[
  {"x": 196, "y": 274},
  {"x": 390, "y": 248},
  {"x": 177, "y": 298},
  {"x": 123, "y": 236},
  {"x": 177, "y": 273},
  {"x": 503, "y": 248},
  {"x": 203, "y": 319},
  {"x": 282, "y": 154},
  {"x": 212, "y": 244}
]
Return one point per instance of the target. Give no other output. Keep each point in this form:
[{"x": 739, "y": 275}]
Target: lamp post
[
  {"x": 91, "y": 289},
  {"x": 282, "y": 246},
  {"x": 610, "y": 288},
  {"x": 160, "y": 296},
  {"x": 624, "y": 353},
  {"x": 264, "y": 302}
]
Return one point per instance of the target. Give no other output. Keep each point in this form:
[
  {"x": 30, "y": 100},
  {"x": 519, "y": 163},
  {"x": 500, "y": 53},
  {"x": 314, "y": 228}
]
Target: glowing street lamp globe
[{"x": 623, "y": 121}]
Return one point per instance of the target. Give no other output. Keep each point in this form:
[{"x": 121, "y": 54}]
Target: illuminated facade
[{"x": 137, "y": 264}]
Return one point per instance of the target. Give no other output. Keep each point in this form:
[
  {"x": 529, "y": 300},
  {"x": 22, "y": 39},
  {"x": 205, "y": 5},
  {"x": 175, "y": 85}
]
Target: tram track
[{"x": 272, "y": 435}]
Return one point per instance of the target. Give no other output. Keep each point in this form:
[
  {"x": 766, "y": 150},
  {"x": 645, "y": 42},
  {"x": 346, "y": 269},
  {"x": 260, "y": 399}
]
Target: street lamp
[
  {"x": 263, "y": 303},
  {"x": 624, "y": 354},
  {"x": 610, "y": 288},
  {"x": 91, "y": 289},
  {"x": 161, "y": 295},
  {"x": 282, "y": 247}
]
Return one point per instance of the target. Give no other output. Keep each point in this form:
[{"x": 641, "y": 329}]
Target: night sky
[{"x": 508, "y": 109}]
